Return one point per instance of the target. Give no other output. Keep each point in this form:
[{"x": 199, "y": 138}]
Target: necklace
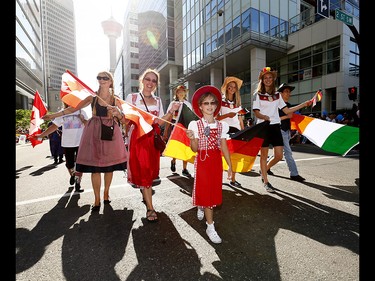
[
  {"x": 148, "y": 97},
  {"x": 231, "y": 103}
]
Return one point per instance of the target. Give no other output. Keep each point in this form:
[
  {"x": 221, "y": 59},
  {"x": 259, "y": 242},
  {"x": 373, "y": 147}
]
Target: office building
[
  {"x": 29, "y": 53},
  {"x": 308, "y": 50},
  {"x": 45, "y": 49}
]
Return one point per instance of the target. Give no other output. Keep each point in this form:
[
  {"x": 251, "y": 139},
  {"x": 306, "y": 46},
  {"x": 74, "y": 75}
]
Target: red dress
[
  {"x": 143, "y": 158},
  {"x": 208, "y": 165}
]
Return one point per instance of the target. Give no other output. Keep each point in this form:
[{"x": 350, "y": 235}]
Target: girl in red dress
[{"x": 208, "y": 138}]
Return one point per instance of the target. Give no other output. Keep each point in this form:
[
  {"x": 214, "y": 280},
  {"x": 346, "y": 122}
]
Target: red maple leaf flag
[
  {"x": 73, "y": 90},
  {"x": 38, "y": 111},
  {"x": 143, "y": 120}
]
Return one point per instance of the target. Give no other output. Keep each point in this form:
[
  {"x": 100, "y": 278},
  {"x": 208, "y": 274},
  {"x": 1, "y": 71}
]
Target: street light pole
[{"x": 221, "y": 13}]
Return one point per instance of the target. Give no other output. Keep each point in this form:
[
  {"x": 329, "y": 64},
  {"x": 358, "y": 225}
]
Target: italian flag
[{"x": 329, "y": 136}]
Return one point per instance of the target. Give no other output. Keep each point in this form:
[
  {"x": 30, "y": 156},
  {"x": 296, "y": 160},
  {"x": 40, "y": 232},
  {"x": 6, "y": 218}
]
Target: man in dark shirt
[{"x": 285, "y": 91}]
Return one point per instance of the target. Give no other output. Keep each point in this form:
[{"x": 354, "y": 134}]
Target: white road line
[{"x": 57, "y": 196}]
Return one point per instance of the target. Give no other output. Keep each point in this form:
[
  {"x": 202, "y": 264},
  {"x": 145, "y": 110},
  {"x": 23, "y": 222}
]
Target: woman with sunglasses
[
  {"x": 208, "y": 138},
  {"x": 144, "y": 158},
  {"x": 97, "y": 156}
]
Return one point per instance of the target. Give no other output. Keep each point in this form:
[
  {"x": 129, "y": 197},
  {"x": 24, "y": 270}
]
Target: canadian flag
[
  {"x": 142, "y": 119},
  {"x": 38, "y": 111},
  {"x": 73, "y": 90}
]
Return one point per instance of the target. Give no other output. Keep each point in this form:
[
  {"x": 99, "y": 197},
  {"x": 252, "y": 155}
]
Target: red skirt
[
  {"x": 143, "y": 159},
  {"x": 208, "y": 180}
]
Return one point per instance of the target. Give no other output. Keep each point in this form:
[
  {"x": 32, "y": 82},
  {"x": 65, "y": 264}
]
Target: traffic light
[{"x": 352, "y": 93}]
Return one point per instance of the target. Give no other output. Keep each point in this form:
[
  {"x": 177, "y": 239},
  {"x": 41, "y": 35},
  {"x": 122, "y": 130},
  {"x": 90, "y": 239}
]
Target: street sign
[
  {"x": 323, "y": 8},
  {"x": 341, "y": 16}
]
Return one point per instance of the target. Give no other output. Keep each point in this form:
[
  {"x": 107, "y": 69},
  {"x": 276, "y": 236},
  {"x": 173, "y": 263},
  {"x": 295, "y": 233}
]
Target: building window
[
  {"x": 314, "y": 61},
  {"x": 354, "y": 58}
]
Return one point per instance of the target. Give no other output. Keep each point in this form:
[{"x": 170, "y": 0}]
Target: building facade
[
  {"x": 214, "y": 38},
  {"x": 59, "y": 43},
  {"x": 29, "y": 53},
  {"x": 45, "y": 49}
]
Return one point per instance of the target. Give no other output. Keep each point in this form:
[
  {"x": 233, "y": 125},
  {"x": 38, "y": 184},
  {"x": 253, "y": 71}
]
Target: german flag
[
  {"x": 178, "y": 145},
  {"x": 243, "y": 146}
]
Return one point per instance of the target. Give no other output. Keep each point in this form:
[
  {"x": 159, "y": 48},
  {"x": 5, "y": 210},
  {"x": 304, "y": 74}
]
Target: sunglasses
[
  {"x": 102, "y": 78},
  {"x": 150, "y": 80},
  {"x": 209, "y": 103}
]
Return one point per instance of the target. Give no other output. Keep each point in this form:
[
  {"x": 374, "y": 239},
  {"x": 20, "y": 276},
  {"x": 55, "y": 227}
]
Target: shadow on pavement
[
  {"x": 248, "y": 223},
  {"x": 31, "y": 244},
  {"x": 91, "y": 249}
]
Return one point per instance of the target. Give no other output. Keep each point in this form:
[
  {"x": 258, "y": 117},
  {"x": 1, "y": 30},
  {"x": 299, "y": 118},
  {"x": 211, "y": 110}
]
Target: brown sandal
[{"x": 151, "y": 214}]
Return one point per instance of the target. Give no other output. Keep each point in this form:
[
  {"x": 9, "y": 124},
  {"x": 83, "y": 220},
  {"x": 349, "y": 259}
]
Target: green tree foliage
[{"x": 23, "y": 120}]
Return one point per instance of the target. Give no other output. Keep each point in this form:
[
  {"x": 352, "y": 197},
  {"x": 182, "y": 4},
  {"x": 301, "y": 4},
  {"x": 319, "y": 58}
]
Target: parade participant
[
  {"x": 180, "y": 95},
  {"x": 265, "y": 107},
  {"x": 208, "y": 138},
  {"x": 230, "y": 107},
  {"x": 285, "y": 91},
  {"x": 144, "y": 157},
  {"x": 72, "y": 126},
  {"x": 96, "y": 154}
]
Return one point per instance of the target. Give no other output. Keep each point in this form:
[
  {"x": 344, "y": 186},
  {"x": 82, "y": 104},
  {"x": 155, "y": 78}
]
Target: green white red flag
[{"x": 329, "y": 136}]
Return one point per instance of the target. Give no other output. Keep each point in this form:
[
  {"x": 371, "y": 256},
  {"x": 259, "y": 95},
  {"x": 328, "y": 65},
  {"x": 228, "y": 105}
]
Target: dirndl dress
[
  {"x": 101, "y": 156},
  {"x": 208, "y": 166}
]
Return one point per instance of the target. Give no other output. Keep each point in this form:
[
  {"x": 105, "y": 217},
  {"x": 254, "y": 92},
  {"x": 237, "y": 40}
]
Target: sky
[{"x": 91, "y": 42}]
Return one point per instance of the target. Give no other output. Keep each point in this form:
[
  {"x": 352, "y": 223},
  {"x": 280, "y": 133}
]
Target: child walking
[{"x": 208, "y": 138}]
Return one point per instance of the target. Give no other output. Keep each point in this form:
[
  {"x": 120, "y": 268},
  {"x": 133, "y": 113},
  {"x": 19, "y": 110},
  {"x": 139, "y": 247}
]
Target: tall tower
[{"x": 113, "y": 30}]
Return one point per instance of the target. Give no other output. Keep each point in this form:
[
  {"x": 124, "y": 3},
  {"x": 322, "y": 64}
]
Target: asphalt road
[{"x": 304, "y": 231}]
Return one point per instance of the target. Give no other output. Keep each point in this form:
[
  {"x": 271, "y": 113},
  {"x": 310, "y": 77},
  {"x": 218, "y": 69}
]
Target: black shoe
[
  {"x": 60, "y": 161},
  {"x": 235, "y": 184},
  {"x": 78, "y": 187},
  {"x": 106, "y": 202},
  {"x": 95, "y": 208},
  {"x": 297, "y": 178},
  {"x": 186, "y": 173},
  {"x": 269, "y": 188},
  {"x": 270, "y": 173},
  {"x": 72, "y": 179},
  {"x": 173, "y": 166}
]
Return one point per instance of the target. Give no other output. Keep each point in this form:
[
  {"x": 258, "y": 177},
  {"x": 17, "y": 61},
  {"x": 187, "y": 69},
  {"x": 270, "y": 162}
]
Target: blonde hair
[
  {"x": 261, "y": 88},
  {"x": 110, "y": 76},
  {"x": 180, "y": 88},
  {"x": 147, "y": 71},
  {"x": 237, "y": 96}
]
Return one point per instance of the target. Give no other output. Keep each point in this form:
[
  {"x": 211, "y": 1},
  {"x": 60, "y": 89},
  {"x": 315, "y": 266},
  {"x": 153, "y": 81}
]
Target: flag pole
[{"x": 105, "y": 103}]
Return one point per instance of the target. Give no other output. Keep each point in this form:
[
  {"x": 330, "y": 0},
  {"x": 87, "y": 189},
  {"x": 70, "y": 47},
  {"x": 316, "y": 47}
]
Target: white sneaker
[
  {"x": 200, "y": 213},
  {"x": 212, "y": 234}
]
